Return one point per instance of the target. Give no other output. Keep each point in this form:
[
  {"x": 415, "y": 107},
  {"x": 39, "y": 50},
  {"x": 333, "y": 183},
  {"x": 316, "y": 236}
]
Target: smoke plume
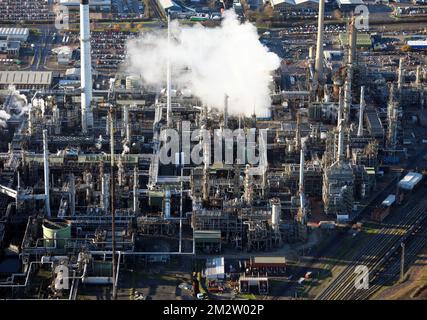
[
  {"x": 14, "y": 106},
  {"x": 211, "y": 62}
]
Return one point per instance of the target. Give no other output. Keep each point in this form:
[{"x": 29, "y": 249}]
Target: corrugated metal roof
[
  {"x": 14, "y": 31},
  {"x": 26, "y": 77}
]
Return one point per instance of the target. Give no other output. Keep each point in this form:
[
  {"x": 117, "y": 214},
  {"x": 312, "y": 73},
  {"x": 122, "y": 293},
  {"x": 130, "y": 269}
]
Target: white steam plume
[{"x": 211, "y": 62}]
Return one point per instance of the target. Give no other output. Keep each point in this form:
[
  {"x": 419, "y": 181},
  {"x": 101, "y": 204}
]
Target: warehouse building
[
  {"x": 16, "y": 34},
  {"x": 286, "y": 5},
  {"x": 349, "y": 5},
  {"x": 26, "y": 79},
  {"x": 95, "y": 5}
]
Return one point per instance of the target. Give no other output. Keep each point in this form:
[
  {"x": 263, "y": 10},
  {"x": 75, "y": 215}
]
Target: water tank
[{"x": 58, "y": 230}]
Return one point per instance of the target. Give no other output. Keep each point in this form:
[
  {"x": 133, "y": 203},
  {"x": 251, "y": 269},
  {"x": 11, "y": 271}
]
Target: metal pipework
[{"x": 46, "y": 173}]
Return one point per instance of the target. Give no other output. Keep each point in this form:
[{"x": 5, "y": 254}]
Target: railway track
[
  {"x": 390, "y": 272},
  {"x": 375, "y": 254}
]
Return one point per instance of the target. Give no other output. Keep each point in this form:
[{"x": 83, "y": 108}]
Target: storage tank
[
  {"x": 58, "y": 230},
  {"x": 276, "y": 210}
]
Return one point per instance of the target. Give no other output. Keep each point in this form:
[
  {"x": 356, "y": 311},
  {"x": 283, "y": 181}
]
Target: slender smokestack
[
  {"x": 418, "y": 76},
  {"x": 135, "y": 191},
  {"x": 105, "y": 192},
  {"x": 318, "y": 68},
  {"x": 301, "y": 170},
  {"x": 169, "y": 80},
  {"x": 72, "y": 188},
  {"x": 46, "y": 173},
  {"x": 126, "y": 125},
  {"x": 391, "y": 117},
  {"x": 361, "y": 109},
  {"x": 301, "y": 177},
  {"x": 347, "y": 96},
  {"x": 225, "y": 111},
  {"x": 340, "y": 155},
  {"x": 340, "y": 105},
  {"x": 352, "y": 41},
  {"x": 86, "y": 67},
  {"x": 298, "y": 132},
  {"x": 310, "y": 53},
  {"x": 400, "y": 73}
]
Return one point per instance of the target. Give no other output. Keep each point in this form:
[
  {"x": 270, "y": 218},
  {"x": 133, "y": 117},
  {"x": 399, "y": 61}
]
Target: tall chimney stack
[
  {"x": 347, "y": 96},
  {"x": 340, "y": 155},
  {"x": 86, "y": 67},
  {"x": 362, "y": 108},
  {"x": 168, "y": 80},
  {"x": 226, "y": 111},
  {"x": 400, "y": 74},
  {"x": 46, "y": 173},
  {"x": 352, "y": 41},
  {"x": 318, "y": 67},
  {"x": 418, "y": 76}
]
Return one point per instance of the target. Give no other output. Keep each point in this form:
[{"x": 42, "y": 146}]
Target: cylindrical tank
[
  {"x": 57, "y": 230},
  {"x": 276, "y": 210}
]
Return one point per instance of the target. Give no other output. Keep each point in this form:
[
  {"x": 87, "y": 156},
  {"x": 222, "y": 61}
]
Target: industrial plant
[{"x": 138, "y": 160}]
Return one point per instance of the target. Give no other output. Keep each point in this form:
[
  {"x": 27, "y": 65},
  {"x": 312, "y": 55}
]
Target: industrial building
[
  {"x": 26, "y": 79},
  {"x": 17, "y": 34},
  {"x": 82, "y": 172}
]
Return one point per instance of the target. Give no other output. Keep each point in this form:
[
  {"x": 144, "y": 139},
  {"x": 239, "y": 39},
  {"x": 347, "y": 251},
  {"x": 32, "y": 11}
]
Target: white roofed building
[
  {"x": 347, "y": 5},
  {"x": 17, "y": 34},
  {"x": 96, "y": 5},
  {"x": 215, "y": 269},
  {"x": 26, "y": 79},
  {"x": 287, "y": 5}
]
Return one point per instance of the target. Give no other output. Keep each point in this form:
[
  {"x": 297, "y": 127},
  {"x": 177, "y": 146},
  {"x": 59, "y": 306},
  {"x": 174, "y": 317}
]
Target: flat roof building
[
  {"x": 26, "y": 79},
  {"x": 18, "y": 34}
]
